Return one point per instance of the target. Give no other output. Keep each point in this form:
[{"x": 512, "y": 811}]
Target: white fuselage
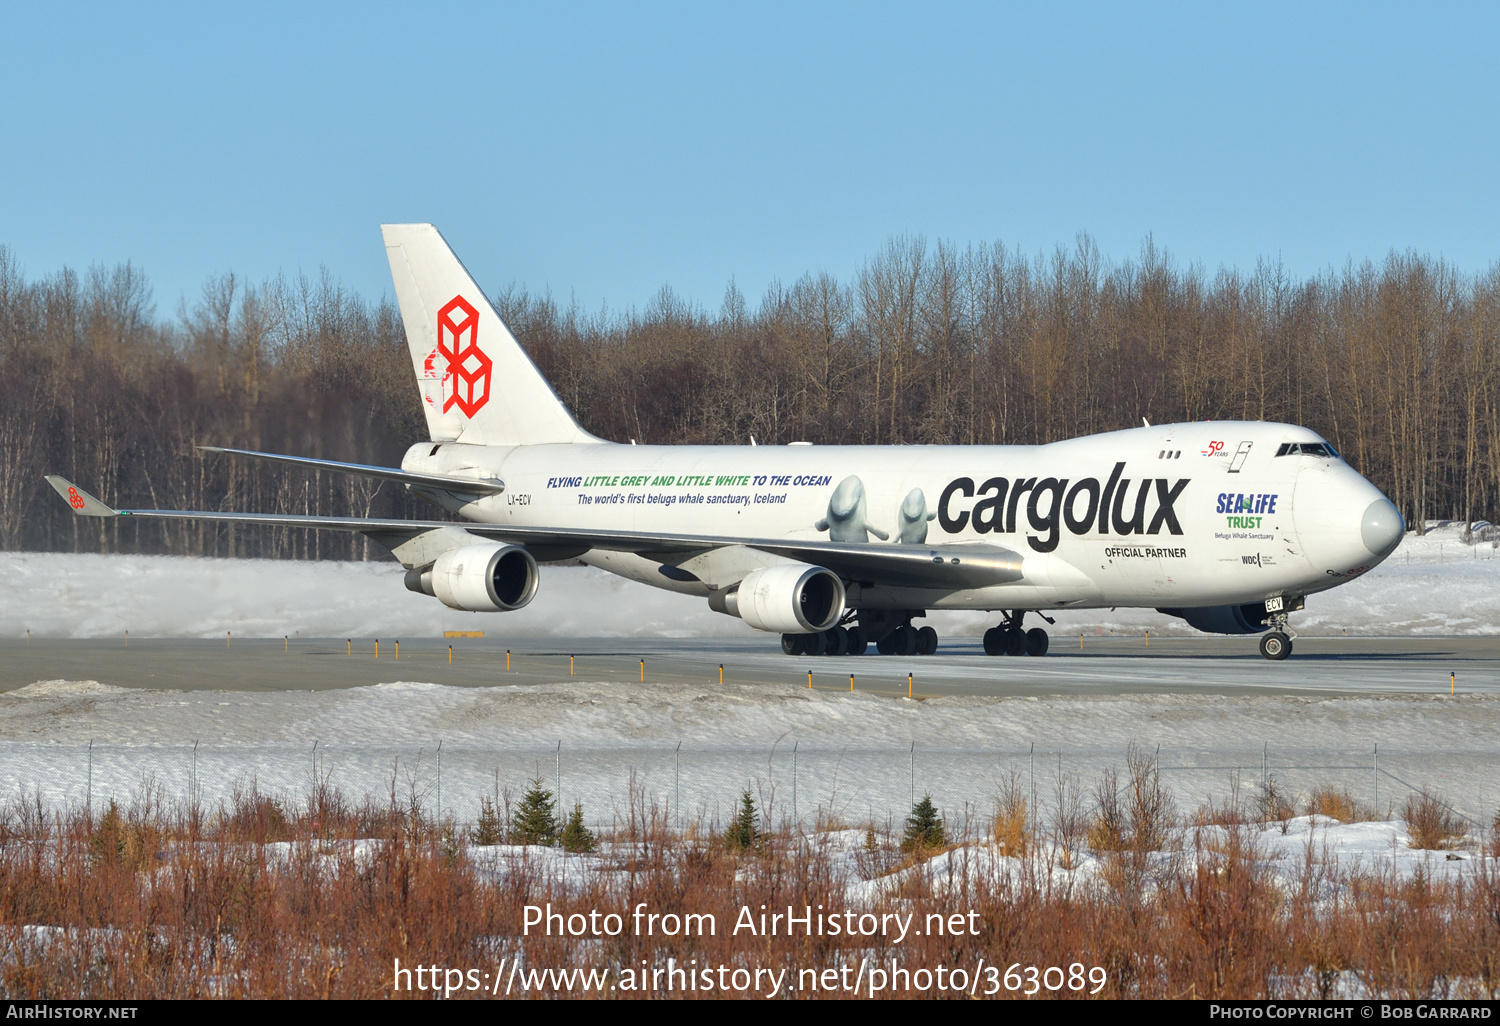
[{"x": 1179, "y": 515}]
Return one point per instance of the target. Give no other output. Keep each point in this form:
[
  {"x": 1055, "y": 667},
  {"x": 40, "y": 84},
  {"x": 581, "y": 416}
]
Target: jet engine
[
  {"x": 1247, "y": 619},
  {"x": 792, "y": 598},
  {"x": 479, "y": 578}
]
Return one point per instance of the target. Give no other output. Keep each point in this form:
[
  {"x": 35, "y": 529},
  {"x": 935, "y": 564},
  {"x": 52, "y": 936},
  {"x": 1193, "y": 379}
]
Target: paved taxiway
[{"x": 1103, "y": 666}]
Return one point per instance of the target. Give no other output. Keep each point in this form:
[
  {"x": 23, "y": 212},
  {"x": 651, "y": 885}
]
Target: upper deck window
[{"x": 1322, "y": 449}]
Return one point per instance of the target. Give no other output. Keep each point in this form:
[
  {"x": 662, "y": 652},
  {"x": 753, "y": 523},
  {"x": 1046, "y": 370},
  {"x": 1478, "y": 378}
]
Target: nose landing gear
[{"x": 1277, "y": 644}]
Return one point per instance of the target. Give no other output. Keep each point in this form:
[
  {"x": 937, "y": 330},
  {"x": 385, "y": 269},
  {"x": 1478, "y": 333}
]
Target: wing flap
[{"x": 912, "y": 566}]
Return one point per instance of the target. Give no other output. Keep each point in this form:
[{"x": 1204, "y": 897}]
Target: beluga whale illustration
[
  {"x": 912, "y": 519},
  {"x": 846, "y": 520}
]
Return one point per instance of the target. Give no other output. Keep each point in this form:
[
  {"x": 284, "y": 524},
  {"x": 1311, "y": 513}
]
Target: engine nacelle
[
  {"x": 792, "y": 598},
  {"x": 1247, "y": 619},
  {"x": 480, "y": 578}
]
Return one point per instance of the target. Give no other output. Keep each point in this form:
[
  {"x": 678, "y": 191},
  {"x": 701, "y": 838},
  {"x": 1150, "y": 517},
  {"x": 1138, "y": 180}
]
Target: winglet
[{"x": 84, "y": 504}]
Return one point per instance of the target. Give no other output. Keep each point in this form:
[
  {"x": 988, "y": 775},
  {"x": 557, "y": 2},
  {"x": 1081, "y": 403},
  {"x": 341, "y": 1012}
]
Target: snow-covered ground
[
  {"x": 697, "y": 747},
  {"x": 93, "y": 596},
  {"x": 1286, "y": 849},
  {"x": 855, "y": 757},
  {"x": 1435, "y": 584}
]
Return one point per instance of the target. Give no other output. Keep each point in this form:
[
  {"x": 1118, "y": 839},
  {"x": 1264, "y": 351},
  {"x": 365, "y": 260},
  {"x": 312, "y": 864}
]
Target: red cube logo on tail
[{"x": 467, "y": 381}]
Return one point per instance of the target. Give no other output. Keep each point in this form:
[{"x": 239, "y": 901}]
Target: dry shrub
[
  {"x": 1070, "y": 821},
  {"x": 1220, "y": 917},
  {"x": 1108, "y": 829},
  {"x": 1337, "y": 804},
  {"x": 1274, "y": 803},
  {"x": 208, "y": 914},
  {"x": 1012, "y": 829},
  {"x": 254, "y": 817},
  {"x": 1431, "y": 822},
  {"x": 1136, "y": 817},
  {"x": 1151, "y": 808},
  {"x": 826, "y": 820},
  {"x": 1228, "y": 813}
]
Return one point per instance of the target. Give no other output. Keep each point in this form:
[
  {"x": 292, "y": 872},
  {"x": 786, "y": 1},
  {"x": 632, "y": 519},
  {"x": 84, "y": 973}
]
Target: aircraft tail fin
[{"x": 478, "y": 385}]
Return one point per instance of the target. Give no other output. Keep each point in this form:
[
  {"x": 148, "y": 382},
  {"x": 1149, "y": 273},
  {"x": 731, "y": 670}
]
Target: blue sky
[{"x": 602, "y": 150}]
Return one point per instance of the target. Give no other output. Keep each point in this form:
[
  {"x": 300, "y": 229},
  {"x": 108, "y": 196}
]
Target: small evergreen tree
[
  {"x": 107, "y": 842},
  {"x": 744, "y": 832},
  {"x": 924, "y": 827},
  {"x": 535, "y": 819},
  {"x": 575, "y": 836},
  {"x": 489, "y": 829},
  {"x": 450, "y": 845}
]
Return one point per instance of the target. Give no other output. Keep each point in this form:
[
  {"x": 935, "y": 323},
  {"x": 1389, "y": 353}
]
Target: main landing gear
[
  {"x": 834, "y": 641},
  {"x": 889, "y": 631},
  {"x": 1009, "y": 639},
  {"x": 908, "y": 640}
]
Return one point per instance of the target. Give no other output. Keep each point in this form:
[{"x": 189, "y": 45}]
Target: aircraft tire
[
  {"x": 906, "y": 641},
  {"x": 994, "y": 642},
  {"x": 837, "y": 641},
  {"x": 791, "y": 644},
  {"x": 857, "y": 641},
  {"x": 814, "y": 644},
  {"x": 1015, "y": 641},
  {"x": 887, "y": 643},
  {"x": 1036, "y": 642},
  {"x": 1275, "y": 645},
  {"x": 927, "y": 641}
]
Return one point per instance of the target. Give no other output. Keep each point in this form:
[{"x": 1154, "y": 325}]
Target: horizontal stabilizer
[{"x": 464, "y": 485}]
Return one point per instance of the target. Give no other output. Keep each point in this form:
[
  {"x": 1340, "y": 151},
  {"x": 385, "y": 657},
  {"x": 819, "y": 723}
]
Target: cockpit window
[{"x": 1322, "y": 449}]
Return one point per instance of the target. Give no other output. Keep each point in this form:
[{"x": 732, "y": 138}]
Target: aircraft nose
[{"x": 1381, "y": 527}]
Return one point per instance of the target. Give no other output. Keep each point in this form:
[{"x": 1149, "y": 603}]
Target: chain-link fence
[{"x": 791, "y": 782}]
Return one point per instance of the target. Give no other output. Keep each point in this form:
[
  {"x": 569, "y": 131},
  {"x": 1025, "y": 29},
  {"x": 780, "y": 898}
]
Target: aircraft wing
[
  {"x": 913, "y": 566},
  {"x": 464, "y": 485},
  {"x": 918, "y": 566}
]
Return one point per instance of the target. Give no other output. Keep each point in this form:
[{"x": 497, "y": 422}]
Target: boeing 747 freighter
[{"x": 1226, "y": 524}]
